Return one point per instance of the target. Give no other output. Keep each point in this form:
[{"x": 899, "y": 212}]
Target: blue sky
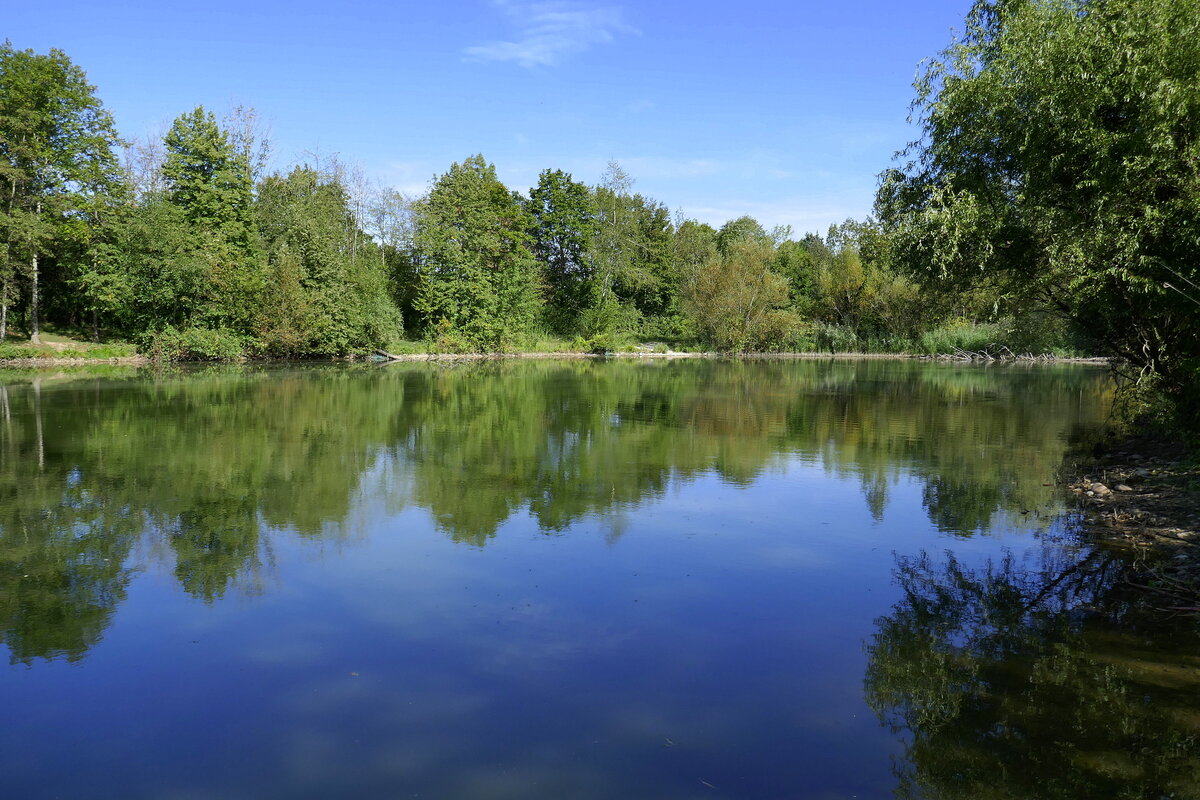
[{"x": 785, "y": 111}]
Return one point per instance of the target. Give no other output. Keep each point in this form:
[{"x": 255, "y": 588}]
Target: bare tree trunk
[
  {"x": 35, "y": 336},
  {"x": 95, "y": 326},
  {"x": 4, "y": 311}
]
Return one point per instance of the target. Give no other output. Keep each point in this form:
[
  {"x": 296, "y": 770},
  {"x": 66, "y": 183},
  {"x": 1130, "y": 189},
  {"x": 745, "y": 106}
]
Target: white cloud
[{"x": 549, "y": 31}]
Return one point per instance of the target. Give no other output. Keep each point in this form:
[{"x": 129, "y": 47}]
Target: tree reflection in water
[
  {"x": 205, "y": 467},
  {"x": 1030, "y": 679}
]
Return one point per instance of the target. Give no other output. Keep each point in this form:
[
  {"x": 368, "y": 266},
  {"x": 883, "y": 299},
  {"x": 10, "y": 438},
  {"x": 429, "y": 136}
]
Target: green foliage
[
  {"x": 58, "y": 174},
  {"x": 210, "y": 182},
  {"x": 631, "y": 258},
  {"x": 1060, "y": 162},
  {"x": 740, "y": 230},
  {"x": 958, "y": 335},
  {"x": 159, "y": 276},
  {"x": 327, "y": 292},
  {"x": 1031, "y": 334},
  {"x": 739, "y": 303},
  {"x": 196, "y": 344},
  {"x": 845, "y": 286},
  {"x": 186, "y": 242},
  {"x": 208, "y": 178},
  {"x": 564, "y": 213},
  {"x": 478, "y": 278}
]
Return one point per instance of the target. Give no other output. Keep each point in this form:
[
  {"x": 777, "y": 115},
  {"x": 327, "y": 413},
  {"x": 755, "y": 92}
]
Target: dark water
[{"x": 570, "y": 580}]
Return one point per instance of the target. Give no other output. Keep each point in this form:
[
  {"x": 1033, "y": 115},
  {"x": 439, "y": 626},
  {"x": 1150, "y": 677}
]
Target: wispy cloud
[
  {"x": 805, "y": 215},
  {"x": 549, "y": 31}
]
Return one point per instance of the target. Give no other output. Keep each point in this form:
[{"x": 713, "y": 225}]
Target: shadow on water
[
  {"x": 202, "y": 469},
  {"x": 1034, "y": 677}
]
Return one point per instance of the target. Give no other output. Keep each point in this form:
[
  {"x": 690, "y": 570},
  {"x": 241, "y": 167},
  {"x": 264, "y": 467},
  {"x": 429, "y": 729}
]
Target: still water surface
[{"x": 698, "y": 579}]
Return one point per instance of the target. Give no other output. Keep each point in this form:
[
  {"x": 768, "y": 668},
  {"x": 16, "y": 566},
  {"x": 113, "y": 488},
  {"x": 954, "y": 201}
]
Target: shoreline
[
  {"x": 1142, "y": 496},
  {"x": 688, "y": 354},
  {"x": 37, "y": 362}
]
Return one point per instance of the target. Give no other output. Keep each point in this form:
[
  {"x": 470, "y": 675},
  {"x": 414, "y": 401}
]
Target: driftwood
[{"x": 992, "y": 352}]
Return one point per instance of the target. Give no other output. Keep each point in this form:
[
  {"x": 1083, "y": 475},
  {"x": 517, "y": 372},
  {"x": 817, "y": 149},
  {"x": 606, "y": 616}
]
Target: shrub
[{"x": 197, "y": 344}]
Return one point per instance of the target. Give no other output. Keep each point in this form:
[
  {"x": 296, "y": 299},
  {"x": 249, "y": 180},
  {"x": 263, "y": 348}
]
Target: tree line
[
  {"x": 186, "y": 245},
  {"x": 1049, "y": 204}
]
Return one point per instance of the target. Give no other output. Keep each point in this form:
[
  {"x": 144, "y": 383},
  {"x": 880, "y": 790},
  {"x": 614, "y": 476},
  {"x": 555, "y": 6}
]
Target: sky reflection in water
[{"x": 564, "y": 579}]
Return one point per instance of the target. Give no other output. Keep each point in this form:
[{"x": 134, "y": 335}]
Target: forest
[{"x": 1050, "y": 204}]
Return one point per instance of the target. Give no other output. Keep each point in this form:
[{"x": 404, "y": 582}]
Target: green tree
[
  {"x": 692, "y": 246},
  {"x": 564, "y": 213},
  {"x": 328, "y": 291},
  {"x": 738, "y": 302},
  {"x": 739, "y": 230},
  {"x": 158, "y": 276},
  {"x": 478, "y": 277},
  {"x": 56, "y": 163},
  {"x": 630, "y": 257},
  {"x": 795, "y": 261},
  {"x": 209, "y": 180},
  {"x": 391, "y": 221},
  {"x": 1060, "y": 158},
  {"x": 653, "y": 229}
]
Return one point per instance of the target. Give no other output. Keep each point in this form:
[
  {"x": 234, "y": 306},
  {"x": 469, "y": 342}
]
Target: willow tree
[
  {"x": 738, "y": 302},
  {"x": 56, "y": 157},
  {"x": 478, "y": 278},
  {"x": 1060, "y": 159}
]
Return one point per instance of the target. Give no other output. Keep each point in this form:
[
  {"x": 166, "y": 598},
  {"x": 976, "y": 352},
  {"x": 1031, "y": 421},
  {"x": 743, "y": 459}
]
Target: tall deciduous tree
[
  {"x": 564, "y": 214},
  {"x": 478, "y": 277},
  {"x": 56, "y": 161},
  {"x": 327, "y": 292},
  {"x": 630, "y": 255},
  {"x": 210, "y": 181},
  {"x": 1060, "y": 157}
]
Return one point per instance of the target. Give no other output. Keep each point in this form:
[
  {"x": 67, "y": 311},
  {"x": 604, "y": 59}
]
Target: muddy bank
[
  {"x": 643, "y": 352},
  {"x": 41, "y": 361},
  {"x": 648, "y": 352},
  {"x": 1143, "y": 495}
]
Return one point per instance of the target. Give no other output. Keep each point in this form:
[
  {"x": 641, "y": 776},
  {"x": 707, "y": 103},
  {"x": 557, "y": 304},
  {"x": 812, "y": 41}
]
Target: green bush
[
  {"x": 836, "y": 339},
  {"x": 1034, "y": 332},
  {"x": 956, "y": 335},
  {"x": 197, "y": 344}
]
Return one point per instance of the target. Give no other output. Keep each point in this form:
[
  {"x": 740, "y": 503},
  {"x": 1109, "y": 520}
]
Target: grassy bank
[{"x": 56, "y": 348}]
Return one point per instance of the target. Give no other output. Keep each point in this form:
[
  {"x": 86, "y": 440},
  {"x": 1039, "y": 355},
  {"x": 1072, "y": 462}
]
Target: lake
[{"x": 571, "y": 579}]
